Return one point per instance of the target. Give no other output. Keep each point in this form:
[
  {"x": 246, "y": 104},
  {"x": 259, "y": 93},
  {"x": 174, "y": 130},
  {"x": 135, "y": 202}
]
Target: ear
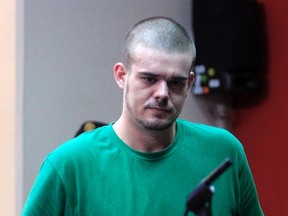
[
  {"x": 190, "y": 81},
  {"x": 120, "y": 73}
]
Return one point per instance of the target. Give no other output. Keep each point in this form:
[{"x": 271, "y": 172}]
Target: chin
[{"x": 158, "y": 125}]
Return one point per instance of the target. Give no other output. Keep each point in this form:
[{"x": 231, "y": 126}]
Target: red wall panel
[{"x": 263, "y": 129}]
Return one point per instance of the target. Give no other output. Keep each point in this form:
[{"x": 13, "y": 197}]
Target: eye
[
  {"x": 177, "y": 83},
  {"x": 150, "y": 80}
]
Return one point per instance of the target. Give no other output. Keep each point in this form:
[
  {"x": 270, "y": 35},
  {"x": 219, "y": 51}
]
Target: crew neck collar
[{"x": 149, "y": 156}]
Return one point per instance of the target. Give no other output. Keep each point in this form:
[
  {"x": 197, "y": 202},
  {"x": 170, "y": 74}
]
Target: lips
[{"x": 160, "y": 109}]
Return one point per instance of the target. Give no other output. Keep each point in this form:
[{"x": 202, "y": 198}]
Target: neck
[{"x": 142, "y": 139}]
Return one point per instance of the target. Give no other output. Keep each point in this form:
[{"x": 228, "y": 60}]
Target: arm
[
  {"x": 249, "y": 201},
  {"x": 47, "y": 197}
]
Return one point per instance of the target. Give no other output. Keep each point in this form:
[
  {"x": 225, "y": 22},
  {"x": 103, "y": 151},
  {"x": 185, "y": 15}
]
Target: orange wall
[{"x": 263, "y": 129}]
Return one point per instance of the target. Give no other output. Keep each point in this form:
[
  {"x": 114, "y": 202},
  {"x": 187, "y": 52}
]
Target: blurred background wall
[{"x": 263, "y": 128}]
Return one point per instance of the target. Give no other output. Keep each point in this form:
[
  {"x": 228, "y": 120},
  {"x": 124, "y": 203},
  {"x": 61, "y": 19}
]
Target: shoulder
[
  {"x": 203, "y": 129},
  {"x": 213, "y": 144},
  {"x": 209, "y": 135},
  {"x": 88, "y": 144}
]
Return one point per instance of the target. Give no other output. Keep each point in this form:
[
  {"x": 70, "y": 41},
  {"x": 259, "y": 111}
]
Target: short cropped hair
[{"x": 159, "y": 33}]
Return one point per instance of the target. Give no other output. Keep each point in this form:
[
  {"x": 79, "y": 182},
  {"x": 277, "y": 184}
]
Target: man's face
[{"x": 156, "y": 86}]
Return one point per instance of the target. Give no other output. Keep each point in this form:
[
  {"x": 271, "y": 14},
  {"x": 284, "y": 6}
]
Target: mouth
[{"x": 160, "y": 109}]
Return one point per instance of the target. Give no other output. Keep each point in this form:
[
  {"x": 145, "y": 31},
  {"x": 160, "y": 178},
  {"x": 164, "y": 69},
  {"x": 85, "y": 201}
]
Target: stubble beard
[{"x": 158, "y": 124}]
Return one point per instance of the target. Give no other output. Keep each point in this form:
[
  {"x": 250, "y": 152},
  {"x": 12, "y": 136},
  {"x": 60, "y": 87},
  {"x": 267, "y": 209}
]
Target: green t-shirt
[{"x": 97, "y": 174}]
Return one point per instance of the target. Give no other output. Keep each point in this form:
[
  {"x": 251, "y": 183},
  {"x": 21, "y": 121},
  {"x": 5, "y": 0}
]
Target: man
[{"x": 148, "y": 161}]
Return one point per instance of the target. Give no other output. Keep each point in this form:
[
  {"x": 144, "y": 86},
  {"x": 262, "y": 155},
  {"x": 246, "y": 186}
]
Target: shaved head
[{"x": 160, "y": 33}]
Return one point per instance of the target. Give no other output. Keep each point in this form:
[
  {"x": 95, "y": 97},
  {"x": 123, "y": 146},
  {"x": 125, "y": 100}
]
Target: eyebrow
[{"x": 150, "y": 74}]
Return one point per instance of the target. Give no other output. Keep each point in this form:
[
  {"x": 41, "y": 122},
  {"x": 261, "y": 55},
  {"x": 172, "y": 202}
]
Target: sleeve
[
  {"x": 249, "y": 201},
  {"x": 47, "y": 196}
]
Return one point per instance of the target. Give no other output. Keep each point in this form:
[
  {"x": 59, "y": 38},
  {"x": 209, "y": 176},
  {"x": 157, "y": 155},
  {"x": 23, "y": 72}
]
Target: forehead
[{"x": 150, "y": 58}]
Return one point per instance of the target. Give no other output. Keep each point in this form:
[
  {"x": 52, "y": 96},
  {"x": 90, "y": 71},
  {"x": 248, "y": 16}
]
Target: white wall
[{"x": 70, "y": 48}]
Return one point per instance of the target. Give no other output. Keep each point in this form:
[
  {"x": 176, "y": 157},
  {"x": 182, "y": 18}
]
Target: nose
[{"x": 162, "y": 90}]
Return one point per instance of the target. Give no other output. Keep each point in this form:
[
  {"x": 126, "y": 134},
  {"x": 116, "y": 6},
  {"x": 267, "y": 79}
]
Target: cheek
[
  {"x": 138, "y": 92},
  {"x": 178, "y": 101},
  {"x": 133, "y": 95}
]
